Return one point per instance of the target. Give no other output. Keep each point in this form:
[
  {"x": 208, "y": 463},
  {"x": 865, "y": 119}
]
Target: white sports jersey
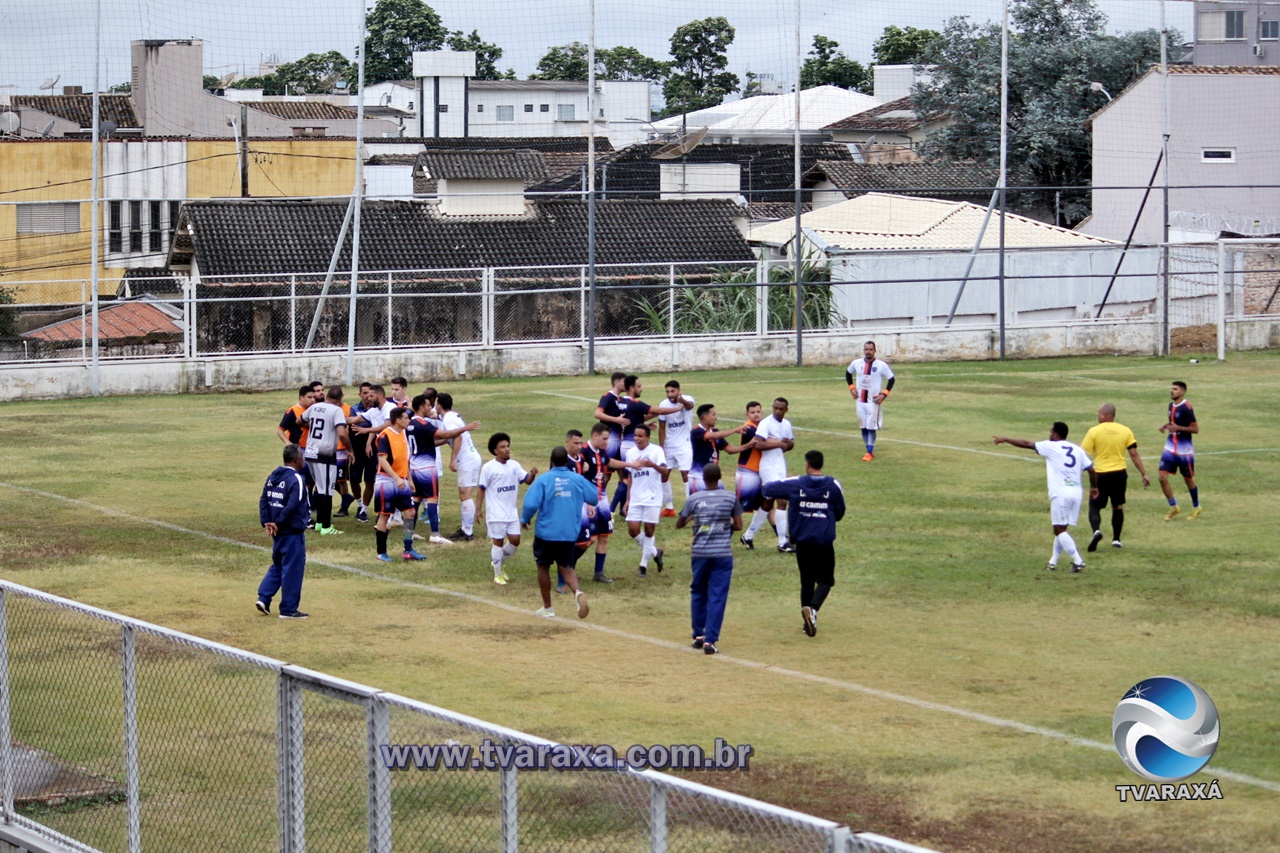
[
  {"x": 646, "y": 483},
  {"x": 438, "y": 424},
  {"x": 379, "y": 415},
  {"x": 771, "y": 427},
  {"x": 500, "y": 483},
  {"x": 453, "y": 420},
  {"x": 1064, "y": 463},
  {"x": 322, "y": 420},
  {"x": 869, "y": 379},
  {"x": 679, "y": 424}
]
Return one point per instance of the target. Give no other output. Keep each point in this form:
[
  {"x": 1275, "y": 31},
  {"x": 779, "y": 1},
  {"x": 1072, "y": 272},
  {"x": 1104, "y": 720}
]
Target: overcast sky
[{"x": 54, "y": 38}]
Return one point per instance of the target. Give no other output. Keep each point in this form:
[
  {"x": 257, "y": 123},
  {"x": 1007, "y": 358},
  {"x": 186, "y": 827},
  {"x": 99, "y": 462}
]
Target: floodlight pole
[
  {"x": 591, "y": 189},
  {"x": 799, "y": 271},
  {"x": 1004, "y": 158},
  {"x": 357, "y": 203},
  {"x": 1164, "y": 157},
  {"x": 95, "y": 154}
]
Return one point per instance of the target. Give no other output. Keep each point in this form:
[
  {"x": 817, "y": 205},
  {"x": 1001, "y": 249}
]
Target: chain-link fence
[{"x": 116, "y": 734}]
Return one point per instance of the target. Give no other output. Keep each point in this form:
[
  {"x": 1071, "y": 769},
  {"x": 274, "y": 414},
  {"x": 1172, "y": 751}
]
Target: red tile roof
[{"x": 134, "y": 320}]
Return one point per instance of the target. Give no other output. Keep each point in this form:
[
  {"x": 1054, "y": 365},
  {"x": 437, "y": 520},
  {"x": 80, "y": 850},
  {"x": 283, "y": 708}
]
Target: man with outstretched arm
[{"x": 557, "y": 498}]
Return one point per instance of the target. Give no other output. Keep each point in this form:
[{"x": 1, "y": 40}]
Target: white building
[{"x": 772, "y": 118}]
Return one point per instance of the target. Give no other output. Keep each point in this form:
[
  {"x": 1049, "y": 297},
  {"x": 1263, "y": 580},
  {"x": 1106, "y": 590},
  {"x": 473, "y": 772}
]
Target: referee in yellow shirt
[{"x": 1106, "y": 444}]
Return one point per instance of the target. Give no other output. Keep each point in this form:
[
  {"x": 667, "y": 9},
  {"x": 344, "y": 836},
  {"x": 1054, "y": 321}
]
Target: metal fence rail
[{"x": 116, "y": 734}]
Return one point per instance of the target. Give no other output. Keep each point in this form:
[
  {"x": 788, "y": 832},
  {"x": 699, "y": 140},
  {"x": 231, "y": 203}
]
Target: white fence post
[
  {"x": 762, "y": 297},
  {"x": 129, "y": 672},
  {"x": 290, "y": 764},
  {"x": 378, "y": 729},
  {"x": 1222, "y": 301},
  {"x": 390, "y": 339},
  {"x": 6, "y": 740},
  {"x": 671, "y": 301},
  {"x": 657, "y": 819},
  {"x": 508, "y": 801},
  {"x": 293, "y": 313}
]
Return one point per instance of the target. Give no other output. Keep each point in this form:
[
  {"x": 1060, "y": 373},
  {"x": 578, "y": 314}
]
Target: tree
[
  {"x": 1056, "y": 49},
  {"x": 569, "y": 62},
  {"x": 316, "y": 73},
  {"x": 487, "y": 55},
  {"x": 126, "y": 87},
  {"x": 902, "y": 45},
  {"x": 396, "y": 29},
  {"x": 827, "y": 65},
  {"x": 565, "y": 62},
  {"x": 8, "y": 317},
  {"x": 700, "y": 53},
  {"x": 270, "y": 84}
]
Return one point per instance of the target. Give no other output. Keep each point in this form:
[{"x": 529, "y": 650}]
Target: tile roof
[
  {"x": 79, "y": 108},
  {"x": 500, "y": 165},
  {"x": 922, "y": 177},
  {"x": 878, "y": 221},
  {"x": 895, "y": 115},
  {"x": 767, "y": 169},
  {"x": 136, "y": 320},
  {"x": 546, "y": 144},
  {"x": 1264, "y": 70},
  {"x": 276, "y": 236},
  {"x": 303, "y": 110}
]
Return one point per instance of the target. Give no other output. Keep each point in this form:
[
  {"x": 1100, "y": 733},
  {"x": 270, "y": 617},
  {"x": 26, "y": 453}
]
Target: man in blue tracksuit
[
  {"x": 284, "y": 511},
  {"x": 815, "y": 503},
  {"x": 558, "y": 498}
]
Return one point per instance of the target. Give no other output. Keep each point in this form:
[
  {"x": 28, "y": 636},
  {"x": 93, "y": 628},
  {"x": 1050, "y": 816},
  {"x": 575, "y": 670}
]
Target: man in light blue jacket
[{"x": 557, "y": 498}]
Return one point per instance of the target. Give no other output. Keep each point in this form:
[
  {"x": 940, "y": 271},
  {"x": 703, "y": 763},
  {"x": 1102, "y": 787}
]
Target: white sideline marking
[
  {"x": 926, "y": 444},
  {"x": 569, "y": 396},
  {"x": 800, "y": 675}
]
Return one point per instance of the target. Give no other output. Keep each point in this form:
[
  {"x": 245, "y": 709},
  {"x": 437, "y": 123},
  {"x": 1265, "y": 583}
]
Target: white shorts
[
  {"x": 324, "y": 475},
  {"x": 468, "y": 471},
  {"x": 644, "y": 514},
  {"x": 679, "y": 457},
  {"x": 502, "y": 529},
  {"x": 772, "y": 475},
  {"x": 870, "y": 415},
  {"x": 1064, "y": 509}
]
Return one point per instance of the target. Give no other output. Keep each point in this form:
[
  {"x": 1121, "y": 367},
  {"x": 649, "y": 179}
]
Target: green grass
[{"x": 941, "y": 597}]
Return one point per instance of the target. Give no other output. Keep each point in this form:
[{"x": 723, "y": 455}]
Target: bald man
[{"x": 1107, "y": 444}]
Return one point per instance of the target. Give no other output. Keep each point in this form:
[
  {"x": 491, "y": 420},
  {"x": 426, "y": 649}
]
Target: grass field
[{"x": 956, "y": 692}]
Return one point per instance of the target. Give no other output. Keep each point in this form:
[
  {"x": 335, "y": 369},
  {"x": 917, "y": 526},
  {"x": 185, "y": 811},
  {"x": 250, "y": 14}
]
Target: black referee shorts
[{"x": 1111, "y": 487}]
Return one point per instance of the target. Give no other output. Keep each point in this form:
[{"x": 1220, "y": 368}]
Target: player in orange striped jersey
[
  {"x": 747, "y": 479},
  {"x": 391, "y": 488}
]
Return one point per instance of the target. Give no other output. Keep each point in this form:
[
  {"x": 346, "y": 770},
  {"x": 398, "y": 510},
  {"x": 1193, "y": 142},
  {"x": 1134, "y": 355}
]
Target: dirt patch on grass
[
  {"x": 515, "y": 633},
  {"x": 19, "y": 551},
  {"x": 851, "y": 800},
  {"x": 1194, "y": 339}
]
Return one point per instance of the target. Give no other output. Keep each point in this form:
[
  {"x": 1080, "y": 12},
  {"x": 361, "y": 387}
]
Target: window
[
  {"x": 564, "y": 112},
  {"x": 155, "y": 236},
  {"x": 544, "y": 108},
  {"x": 1220, "y": 26},
  {"x": 1268, "y": 30},
  {"x": 57, "y": 218},
  {"x": 443, "y": 108},
  {"x": 528, "y": 108},
  {"x": 479, "y": 108},
  {"x": 506, "y": 113},
  {"x": 175, "y": 208},
  {"x": 115, "y": 227},
  {"x": 1217, "y": 155},
  {"x": 135, "y": 226}
]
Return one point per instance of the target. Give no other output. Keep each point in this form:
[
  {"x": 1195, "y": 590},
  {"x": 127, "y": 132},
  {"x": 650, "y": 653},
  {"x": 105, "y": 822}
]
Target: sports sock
[
  {"x": 782, "y": 527},
  {"x": 685, "y": 483},
  {"x": 468, "y": 516},
  {"x": 871, "y": 441},
  {"x": 1117, "y": 523},
  {"x": 495, "y": 556},
  {"x": 865, "y": 439},
  {"x": 433, "y": 517},
  {"x": 1057, "y": 551},
  {"x": 508, "y": 551},
  {"x": 819, "y": 595},
  {"x": 1173, "y": 501},
  {"x": 360, "y": 504},
  {"x": 324, "y": 510},
  {"x": 382, "y": 541},
  {"x": 347, "y": 498},
  {"x": 600, "y": 562},
  {"x": 559, "y": 578},
  {"x": 1069, "y": 546},
  {"x": 757, "y": 521},
  {"x": 619, "y": 496},
  {"x": 410, "y": 522},
  {"x": 1195, "y": 496},
  {"x": 666, "y": 494},
  {"x": 1095, "y": 517},
  {"x": 643, "y": 540}
]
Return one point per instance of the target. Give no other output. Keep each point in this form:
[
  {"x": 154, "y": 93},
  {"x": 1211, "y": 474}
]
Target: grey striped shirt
[{"x": 712, "y": 512}]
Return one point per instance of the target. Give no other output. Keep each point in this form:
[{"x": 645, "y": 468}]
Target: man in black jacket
[
  {"x": 815, "y": 503},
  {"x": 284, "y": 511}
]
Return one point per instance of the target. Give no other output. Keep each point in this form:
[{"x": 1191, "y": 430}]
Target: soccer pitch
[{"x": 957, "y": 695}]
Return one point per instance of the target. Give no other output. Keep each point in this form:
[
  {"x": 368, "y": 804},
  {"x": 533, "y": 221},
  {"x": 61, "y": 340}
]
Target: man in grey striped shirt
[{"x": 716, "y": 514}]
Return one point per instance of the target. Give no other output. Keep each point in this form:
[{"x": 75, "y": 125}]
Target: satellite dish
[
  {"x": 48, "y": 129},
  {"x": 681, "y": 145},
  {"x": 104, "y": 130},
  {"x": 10, "y": 122},
  {"x": 50, "y": 83},
  {"x": 226, "y": 79}
]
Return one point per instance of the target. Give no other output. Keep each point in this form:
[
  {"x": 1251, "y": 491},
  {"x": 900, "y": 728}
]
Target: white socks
[
  {"x": 666, "y": 494},
  {"x": 757, "y": 521},
  {"x": 782, "y": 527},
  {"x": 1068, "y": 545},
  {"x": 496, "y": 554},
  {"x": 646, "y": 548},
  {"x": 468, "y": 516}
]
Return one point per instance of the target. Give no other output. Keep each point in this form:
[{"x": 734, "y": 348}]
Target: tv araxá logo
[{"x": 1166, "y": 730}]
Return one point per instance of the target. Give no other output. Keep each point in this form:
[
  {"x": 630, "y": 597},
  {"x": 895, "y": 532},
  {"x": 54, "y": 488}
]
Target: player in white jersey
[
  {"x": 1063, "y": 463},
  {"x": 644, "y": 497},
  {"x": 465, "y": 463},
  {"x": 870, "y": 380},
  {"x": 774, "y": 437},
  {"x": 673, "y": 435},
  {"x": 327, "y": 424},
  {"x": 500, "y": 480}
]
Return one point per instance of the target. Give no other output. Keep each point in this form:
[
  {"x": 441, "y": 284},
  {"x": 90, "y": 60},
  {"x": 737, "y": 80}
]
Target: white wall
[{"x": 481, "y": 198}]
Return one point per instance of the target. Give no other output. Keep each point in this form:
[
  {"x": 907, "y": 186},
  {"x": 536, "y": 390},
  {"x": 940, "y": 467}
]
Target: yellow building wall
[{"x": 38, "y": 268}]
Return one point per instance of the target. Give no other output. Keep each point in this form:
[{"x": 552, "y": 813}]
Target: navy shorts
[{"x": 547, "y": 553}]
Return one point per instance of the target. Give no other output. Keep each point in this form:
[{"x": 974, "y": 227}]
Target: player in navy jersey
[
  {"x": 636, "y": 412},
  {"x": 747, "y": 478},
  {"x": 1179, "y": 455},
  {"x": 424, "y": 437},
  {"x": 593, "y": 462},
  {"x": 707, "y": 443},
  {"x": 609, "y": 412}
]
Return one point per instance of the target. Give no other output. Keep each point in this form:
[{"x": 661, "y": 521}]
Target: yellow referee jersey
[{"x": 1107, "y": 445}]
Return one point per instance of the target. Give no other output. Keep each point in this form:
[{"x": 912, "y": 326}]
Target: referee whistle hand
[
  {"x": 271, "y": 528},
  {"x": 1146, "y": 481},
  {"x": 1093, "y": 493}
]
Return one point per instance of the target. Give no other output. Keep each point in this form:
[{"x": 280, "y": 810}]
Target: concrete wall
[{"x": 261, "y": 373}]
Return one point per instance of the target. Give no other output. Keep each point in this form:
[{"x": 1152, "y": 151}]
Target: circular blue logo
[{"x": 1165, "y": 728}]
